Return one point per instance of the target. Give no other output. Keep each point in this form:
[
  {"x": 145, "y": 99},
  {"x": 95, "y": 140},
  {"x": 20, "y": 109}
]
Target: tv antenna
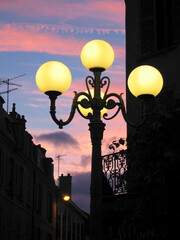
[
  {"x": 8, "y": 83},
  {"x": 58, "y": 158}
]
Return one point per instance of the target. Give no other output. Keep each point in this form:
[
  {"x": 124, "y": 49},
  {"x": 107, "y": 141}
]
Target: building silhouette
[
  {"x": 153, "y": 38},
  {"x": 150, "y": 207},
  {"x": 31, "y": 205},
  {"x": 73, "y": 222}
]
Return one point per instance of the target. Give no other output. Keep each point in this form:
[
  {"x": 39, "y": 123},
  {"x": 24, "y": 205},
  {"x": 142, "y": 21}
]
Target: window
[
  {"x": 156, "y": 25},
  {"x": 9, "y": 227},
  {"x": 10, "y": 179},
  {"x": 78, "y": 231},
  {"x": 74, "y": 229},
  {"x": 69, "y": 226},
  {"x": 20, "y": 183},
  {"x": 82, "y": 231},
  {"x": 29, "y": 190},
  {"x": 164, "y": 25},
  {"x": 49, "y": 236},
  {"x": 1, "y": 166},
  {"x": 49, "y": 206},
  {"x": 39, "y": 234},
  {"x": 28, "y": 231},
  {"x": 18, "y": 228},
  {"x": 39, "y": 198},
  {"x": 176, "y": 20},
  {"x": 64, "y": 225}
]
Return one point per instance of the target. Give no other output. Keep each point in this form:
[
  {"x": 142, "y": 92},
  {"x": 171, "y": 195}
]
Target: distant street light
[
  {"x": 66, "y": 198},
  {"x": 54, "y": 78}
]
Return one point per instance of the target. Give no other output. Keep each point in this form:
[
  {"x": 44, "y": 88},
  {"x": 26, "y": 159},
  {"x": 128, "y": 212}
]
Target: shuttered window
[
  {"x": 176, "y": 19},
  {"x": 147, "y": 26},
  {"x": 157, "y": 18}
]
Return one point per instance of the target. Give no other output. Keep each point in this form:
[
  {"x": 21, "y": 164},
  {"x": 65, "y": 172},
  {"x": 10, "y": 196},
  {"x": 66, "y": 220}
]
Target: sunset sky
[{"x": 34, "y": 32}]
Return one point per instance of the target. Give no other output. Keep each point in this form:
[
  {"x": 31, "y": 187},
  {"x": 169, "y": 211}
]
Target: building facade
[
  {"x": 73, "y": 222},
  {"x": 31, "y": 205},
  {"x": 28, "y": 194},
  {"x": 153, "y": 38}
]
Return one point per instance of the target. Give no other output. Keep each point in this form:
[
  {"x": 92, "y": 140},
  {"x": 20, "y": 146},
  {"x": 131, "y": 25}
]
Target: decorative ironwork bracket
[{"x": 96, "y": 102}]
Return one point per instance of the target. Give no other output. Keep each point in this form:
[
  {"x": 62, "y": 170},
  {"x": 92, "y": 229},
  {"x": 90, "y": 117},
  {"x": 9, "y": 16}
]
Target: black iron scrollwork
[
  {"x": 89, "y": 81},
  {"x": 115, "y": 171},
  {"x": 95, "y": 102}
]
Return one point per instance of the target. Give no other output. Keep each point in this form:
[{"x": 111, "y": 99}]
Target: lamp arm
[
  {"x": 86, "y": 103},
  {"x": 88, "y": 117},
  {"x": 60, "y": 122},
  {"x": 125, "y": 115},
  {"x": 110, "y": 104},
  {"x": 52, "y": 111}
]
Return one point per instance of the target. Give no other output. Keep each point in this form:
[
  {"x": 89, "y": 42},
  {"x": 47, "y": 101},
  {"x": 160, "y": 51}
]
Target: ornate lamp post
[{"x": 54, "y": 78}]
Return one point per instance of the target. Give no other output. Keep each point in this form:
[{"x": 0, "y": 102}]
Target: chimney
[{"x": 65, "y": 184}]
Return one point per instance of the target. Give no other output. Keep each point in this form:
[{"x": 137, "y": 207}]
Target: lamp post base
[{"x": 96, "y": 227}]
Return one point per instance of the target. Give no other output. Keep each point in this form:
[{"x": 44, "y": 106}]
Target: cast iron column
[
  {"x": 96, "y": 128},
  {"x": 96, "y": 226}
]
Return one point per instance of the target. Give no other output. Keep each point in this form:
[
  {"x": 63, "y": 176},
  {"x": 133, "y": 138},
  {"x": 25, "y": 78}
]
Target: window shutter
[
  {"x": 147, "y": 26},
  {"x": 176, "y": 19}
]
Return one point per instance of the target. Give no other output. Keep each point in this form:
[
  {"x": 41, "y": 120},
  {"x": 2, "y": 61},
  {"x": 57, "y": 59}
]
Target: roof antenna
[
  {"x": 8, "y": 83},
  {"x": 58, "y": 158}
]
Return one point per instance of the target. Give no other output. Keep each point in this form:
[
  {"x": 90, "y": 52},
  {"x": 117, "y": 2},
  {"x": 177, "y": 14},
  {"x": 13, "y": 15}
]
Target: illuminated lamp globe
[
  {"x": 86, "y": 111},
  {"x": 53, "y": 77},
  {"x": 144, "y": 81},
  {"x": 66, "y": 198},
  {"x": 97, "y": 54}
]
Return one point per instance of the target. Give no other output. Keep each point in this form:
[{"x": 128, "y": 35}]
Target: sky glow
[{"x": 37, "y": 31}]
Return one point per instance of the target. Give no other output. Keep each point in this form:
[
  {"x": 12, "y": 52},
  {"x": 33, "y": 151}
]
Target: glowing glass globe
[
  {"x": 53, "y": 76},
  {"x": 145, "y": 80},
  {"x": 97, "y": 54}
]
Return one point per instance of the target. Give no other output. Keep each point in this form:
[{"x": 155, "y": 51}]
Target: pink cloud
[
  {"x": 66, "y": 28},
  {"x": 38, "y": 92},
  {"x": 33, "y": 105},
  {"x": 15, "y": 39},
  {"x": 107, "y": 10},
  {"x": 113, "y": 10}
]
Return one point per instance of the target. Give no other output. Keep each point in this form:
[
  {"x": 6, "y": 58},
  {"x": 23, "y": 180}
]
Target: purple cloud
[
  {"x": 85, "y": 160},
  {"x": 60, "y": 138},
  {"x": 81, "y": 190}
]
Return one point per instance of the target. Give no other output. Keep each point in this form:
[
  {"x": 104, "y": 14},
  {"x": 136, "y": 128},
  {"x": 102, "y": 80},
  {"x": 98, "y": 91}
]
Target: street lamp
[
  {"x": 66, "y": 198},
  {"x": 54, "y": 78}
]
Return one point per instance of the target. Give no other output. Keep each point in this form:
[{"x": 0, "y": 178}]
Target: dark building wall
[
  {"x": 28, "y": 195},
  {"x": 31, "y": 205},
  {"x": 153, "y": 38},
  {"x": 74, "y": 222}
]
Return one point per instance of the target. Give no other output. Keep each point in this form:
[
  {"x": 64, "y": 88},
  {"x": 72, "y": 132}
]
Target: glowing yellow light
[
  {"x": 145, "y": 80},
  {"x": 66, "y": 198},
  {"x": 53, "y": 76},
  {"x": 97, "y": 54},
  {"x": 86, "y": 111}
]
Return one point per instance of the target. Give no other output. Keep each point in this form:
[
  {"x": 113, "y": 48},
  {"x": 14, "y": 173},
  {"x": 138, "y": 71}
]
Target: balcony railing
[{"x": 115, "y": 170}]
